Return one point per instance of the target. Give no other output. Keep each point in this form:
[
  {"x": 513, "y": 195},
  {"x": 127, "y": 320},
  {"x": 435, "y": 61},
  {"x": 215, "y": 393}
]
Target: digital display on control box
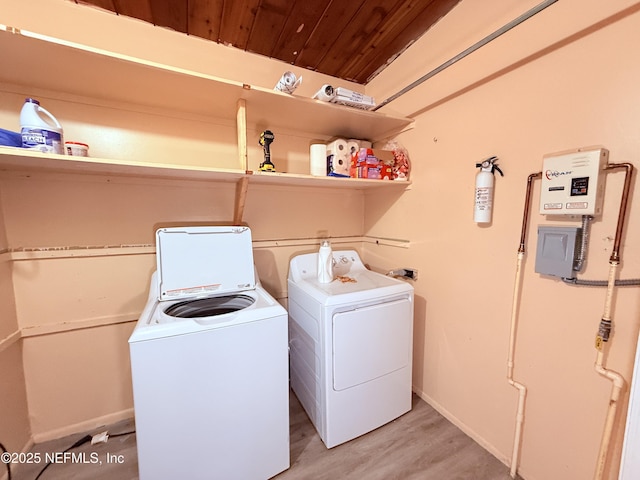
[{"x": 579, "y": 186}]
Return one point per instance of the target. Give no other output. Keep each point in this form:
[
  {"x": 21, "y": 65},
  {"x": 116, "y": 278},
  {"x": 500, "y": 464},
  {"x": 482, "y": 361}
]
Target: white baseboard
[
  {"x": 85, "y": 426},
  {"x": 465, "y": 428}
]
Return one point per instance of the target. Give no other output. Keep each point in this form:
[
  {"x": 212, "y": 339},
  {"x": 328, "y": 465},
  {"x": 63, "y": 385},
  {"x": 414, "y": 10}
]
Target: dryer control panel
[{"x": 345, "y": 262}]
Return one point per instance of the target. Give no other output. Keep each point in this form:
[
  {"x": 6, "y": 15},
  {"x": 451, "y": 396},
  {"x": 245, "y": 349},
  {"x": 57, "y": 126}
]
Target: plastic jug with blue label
[{"x": 40, "y": 130}]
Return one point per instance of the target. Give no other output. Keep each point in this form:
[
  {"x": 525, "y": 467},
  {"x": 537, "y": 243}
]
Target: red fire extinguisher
[{"x": 484, "y": 189}]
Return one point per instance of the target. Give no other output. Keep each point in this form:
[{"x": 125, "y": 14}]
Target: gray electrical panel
[{"x": 557, "y": 250}]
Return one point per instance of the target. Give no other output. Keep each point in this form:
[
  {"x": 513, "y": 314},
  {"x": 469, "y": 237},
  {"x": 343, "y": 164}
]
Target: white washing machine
[
  {"x": 209, "y": 361},
  {"x": 350, "y": 346}
]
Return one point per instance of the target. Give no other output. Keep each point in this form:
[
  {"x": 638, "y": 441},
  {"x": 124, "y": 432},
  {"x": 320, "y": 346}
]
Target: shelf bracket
[
  {"x": 241, "y": 196},
  {"x": 241, "y": 124}
]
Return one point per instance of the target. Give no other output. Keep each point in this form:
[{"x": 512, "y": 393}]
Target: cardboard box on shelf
[{"x": 372, "y": 163}]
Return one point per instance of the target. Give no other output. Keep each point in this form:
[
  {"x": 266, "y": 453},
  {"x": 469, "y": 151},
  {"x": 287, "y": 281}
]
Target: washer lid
[{"x": 199, "y": 261}]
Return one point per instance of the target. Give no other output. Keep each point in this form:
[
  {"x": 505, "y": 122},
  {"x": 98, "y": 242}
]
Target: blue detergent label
[{"x": 43, "y": 140}]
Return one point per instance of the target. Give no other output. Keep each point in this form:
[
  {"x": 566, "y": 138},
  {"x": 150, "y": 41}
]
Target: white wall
[{"x": 562, "y": 80}]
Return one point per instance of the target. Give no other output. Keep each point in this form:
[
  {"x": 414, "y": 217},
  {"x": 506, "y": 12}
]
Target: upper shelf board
[{"x": 40, "y": 62}]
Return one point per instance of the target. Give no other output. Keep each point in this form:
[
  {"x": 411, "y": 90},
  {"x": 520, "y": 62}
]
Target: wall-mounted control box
[
  {"x": 573, "y": 182},
  {"x": 558, "y": 249}
]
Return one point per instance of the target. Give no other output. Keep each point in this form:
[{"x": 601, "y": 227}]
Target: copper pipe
[
  {"x": 525, "y": 215},
  {"x": 515, "y": 308},
  {"x": 617, "y": 380},
  {"x": 615, "y": 254}
]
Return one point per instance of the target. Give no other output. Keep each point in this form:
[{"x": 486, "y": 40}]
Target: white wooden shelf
[
  {"x": 17, "y": 159},
  {"x": 38, "y": 61},
  {"x": 332, "y": 182}
]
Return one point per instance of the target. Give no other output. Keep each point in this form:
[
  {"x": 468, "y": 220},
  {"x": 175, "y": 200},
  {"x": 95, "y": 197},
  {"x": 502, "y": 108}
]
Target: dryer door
[{"x": 370, "y": 342}]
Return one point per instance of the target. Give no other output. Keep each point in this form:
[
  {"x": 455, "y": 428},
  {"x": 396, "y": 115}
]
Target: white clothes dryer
[
  {"x": 350, "y": 346},
  {"x": 209, "y": 362}
]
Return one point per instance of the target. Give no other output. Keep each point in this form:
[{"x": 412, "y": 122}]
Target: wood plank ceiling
[{"x": 349, "y": 39}]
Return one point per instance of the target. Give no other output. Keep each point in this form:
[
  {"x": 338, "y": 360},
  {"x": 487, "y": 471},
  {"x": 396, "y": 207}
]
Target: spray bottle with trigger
[
  {"x": 484, "y": 189},
  {"x": 266, "y": 138}
]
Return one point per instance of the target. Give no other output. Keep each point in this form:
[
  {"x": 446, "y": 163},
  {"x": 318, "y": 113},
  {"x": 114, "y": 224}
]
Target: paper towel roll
[
  {"x": 353, "y": 146},
  {"x": 288, "y": 82},
  {"x": 318, "y": 165},
  {"x": 339, "y": 157},
  {"x": 337, "y": 147},
  {"x": 326, "y": 93}
]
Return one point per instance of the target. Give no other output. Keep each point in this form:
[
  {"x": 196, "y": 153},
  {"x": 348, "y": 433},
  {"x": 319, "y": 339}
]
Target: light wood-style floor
[{"x": 420, "y": 445}]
